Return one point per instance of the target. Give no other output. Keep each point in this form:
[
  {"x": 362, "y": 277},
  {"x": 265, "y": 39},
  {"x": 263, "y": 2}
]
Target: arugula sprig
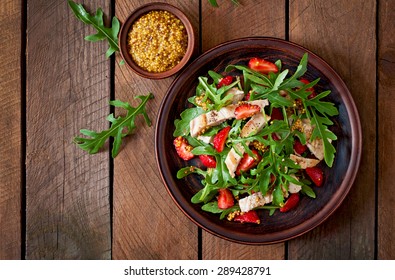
[
  {"x": 215, "y": 4},
  {"x": 120, "y": 127},
  {"x": 103, "y": 33}
]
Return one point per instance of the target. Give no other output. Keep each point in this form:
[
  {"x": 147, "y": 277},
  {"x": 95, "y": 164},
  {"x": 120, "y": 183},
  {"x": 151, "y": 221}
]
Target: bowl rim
[
  {"x": 137, "y": 13},
  {"x": 334, "y": 202}
]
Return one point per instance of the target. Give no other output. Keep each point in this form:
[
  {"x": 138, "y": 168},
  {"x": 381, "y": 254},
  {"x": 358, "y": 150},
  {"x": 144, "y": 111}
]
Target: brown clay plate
[{"x": 310, "y": 212}]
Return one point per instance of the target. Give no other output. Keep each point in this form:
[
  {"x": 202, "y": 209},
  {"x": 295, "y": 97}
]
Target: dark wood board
[
  {"x": 336, "y": 32},
  {"x": 68, "y": 88},
  {"x": 386, "y": 144},
  {"x": 213, "y": 33},
  {"x": 10, "y": 125},
  {"x": 147, "y": 224}
]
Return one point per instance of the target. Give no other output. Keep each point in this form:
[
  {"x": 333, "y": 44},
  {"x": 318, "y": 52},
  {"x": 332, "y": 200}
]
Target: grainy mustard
[{"x": 157, "y": 41}]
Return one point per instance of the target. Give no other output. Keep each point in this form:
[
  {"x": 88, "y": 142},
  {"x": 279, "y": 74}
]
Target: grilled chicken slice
[
  {"x": 233, "y": 158},
  {"x": 238, "y": 95},
  {"x": 254, "y": 200},
  {"x": 304, "y": 162},
  {"x": 254, "y": 124},
  {"x": 294, "y": 188},
  {"x": 213, "y": 118}
]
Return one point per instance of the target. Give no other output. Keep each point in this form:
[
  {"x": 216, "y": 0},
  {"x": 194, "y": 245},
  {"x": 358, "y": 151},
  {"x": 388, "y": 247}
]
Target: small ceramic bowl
[{"x": 135, "y": 15}]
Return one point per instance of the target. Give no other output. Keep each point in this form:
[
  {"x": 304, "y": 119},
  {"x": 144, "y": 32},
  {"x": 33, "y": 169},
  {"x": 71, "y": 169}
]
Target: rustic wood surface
[
  {"x": 386, "y": 116},
  {"x": 10, "y": 125},
  {"x": 58, "y": 202}
]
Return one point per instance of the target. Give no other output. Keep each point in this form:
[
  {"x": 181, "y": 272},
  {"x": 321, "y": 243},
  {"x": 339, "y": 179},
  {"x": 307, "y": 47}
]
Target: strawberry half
[
  {"x": 277, "y": 114},
  {"x": 208, "y": 161},
  {"x": 262, "y": 66},
  {"x": 220, "y": 139},
  {"x": 316, "y": 175},
  {"x": 292, "y": 202},
  {"x": 299, "y": 148},
  {"x": 225, "y": 199},
  {"x": 312, "y": 94},
  {"x": 225, "y": 81},
  {"x": 248, "y": 162},
  {"x": 183, "y": 148},
  {"x": 248, "y": 217},
  {"x": 246, "y": 110}
]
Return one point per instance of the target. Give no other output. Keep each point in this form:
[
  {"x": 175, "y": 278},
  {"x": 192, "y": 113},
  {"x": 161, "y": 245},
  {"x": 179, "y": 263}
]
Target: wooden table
[{"x": 58, "y": 202}]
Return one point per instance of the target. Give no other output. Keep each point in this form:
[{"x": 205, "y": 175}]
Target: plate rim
[{"x": 329, "y": 208}]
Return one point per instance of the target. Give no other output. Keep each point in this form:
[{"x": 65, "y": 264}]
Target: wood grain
[
  {"x": 68, "y": 87},
  {"x": 10, "y": 126},
  {"x": 249, "y": 18},
  {"x": 214, "y": 31},
  {"x": 343, "y": 34},
  {"x": 386, "y": 144},
  {"x": 147, "y": 224}
]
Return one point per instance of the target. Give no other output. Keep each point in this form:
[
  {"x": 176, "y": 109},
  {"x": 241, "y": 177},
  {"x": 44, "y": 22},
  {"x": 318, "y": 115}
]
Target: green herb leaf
[
  {"x": 215, "y": 4},
  {"x": 120, "y": 127},
  {"x": 111, "y": 34},
  {"x": 182, "y": 126},
  {"x": 212, "y": 207},
  {"x": 321, "y": 131}
]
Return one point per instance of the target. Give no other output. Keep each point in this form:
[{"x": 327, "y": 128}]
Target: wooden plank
[
  {"x": 10, "y": 126},
  {"x": 146, "y": 223},
  {"x": 68, "y": 88},
  {"x": 386, "y": 144},
  {"x": 214, "y": 31},
  {"x": 343, "y": 33}
]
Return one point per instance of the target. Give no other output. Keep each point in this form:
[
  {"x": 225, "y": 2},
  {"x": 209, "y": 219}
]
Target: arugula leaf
[
  {"x": 120, "y": 127},
  {"x": 212, "y": 207},
  {"x": 182, "y": 126},
  {"x": 103, "y": 33},
  {"x": 215, "y": 4},
  {"x": 321, "y": 131},
  {"x": 212, "y": 93}
]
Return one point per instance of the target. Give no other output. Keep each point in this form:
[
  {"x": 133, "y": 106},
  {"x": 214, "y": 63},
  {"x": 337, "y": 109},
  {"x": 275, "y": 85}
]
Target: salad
[{"x": 258, "y": 136}]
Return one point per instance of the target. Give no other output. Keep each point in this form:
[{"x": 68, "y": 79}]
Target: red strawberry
[
  {"x": 275, "y": 137},
  {"x": 220, "y": 139},
  {"x": 277, "y": 114},
  {"x": 183, "y": 148},
  {"x": 248, "y": 162},
  {"x": 292, "y": 202},
  {"x": 313, "y": 94},
  {"x": 299, "y": 147},
  {"x": 208, "y": 161},
  {"x": 225, "y": 199},
  {"x": 248, "y": 217},
  {"x": 246, "y": 110},
  {"x": 262, "y": 66},
  {"x": 225, "y": 81},
  {"x": 316, "y": 175},
  {"x": 247, "y": 96}
]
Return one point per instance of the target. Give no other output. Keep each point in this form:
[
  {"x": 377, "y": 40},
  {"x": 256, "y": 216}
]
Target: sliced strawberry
[
  {"x": 208, "y": 161},
  {"x": 316, "y": 175},
  {"x": 312, "y": 94},
  {"x": 225, "y": 81},
  {"x": 248, "y": 217},
  {"x": 220, "y": 139},
  {"x": 247, "y": 96},
  {"x": 183, "y": 148},
  {"x": 246, "y": 110},
  {"x": 299, "y": 148},
  {"x": 248, "y": 162},
  {"x": 275, "y": 137},
  {"x": 277, "y": 114},
  {"x": 225, "y": 199},
  {"x": 262, "y": 66},
  {"x": 292, "y": 202}
]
